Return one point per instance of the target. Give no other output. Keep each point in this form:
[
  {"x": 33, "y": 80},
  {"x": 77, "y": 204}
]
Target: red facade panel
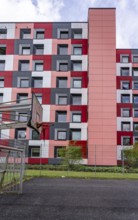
[
  {"x": 124, "y": 105},
  {"x": 83, "y": 42},
  {"x": 47, "y": 59},
  {"x": 124, "y": 134},
  {"x": 45, "y": 133},
  {"x": 9, "y": 46},
  {"x": 37, "y": 160},
  {"x": 123, "y": 52},
  {"x": 46, "y": 92},
  {"x": 7, "y": 78},
  {"x": 47, "y": 28},
  {"x": 83, "y": 110},
  {"x": 83, "y": 145},
  {"x": 84, "y": 76},
  {"x": 123, "y": 78}
]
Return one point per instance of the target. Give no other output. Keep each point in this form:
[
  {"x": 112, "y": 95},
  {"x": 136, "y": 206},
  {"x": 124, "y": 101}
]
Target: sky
[{"x": 75, "y": 10}]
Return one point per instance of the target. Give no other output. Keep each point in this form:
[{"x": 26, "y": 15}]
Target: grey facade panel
[
  {"x": 59, "y": 126},
  {"x": 61, "y": 25},
  {"x": 135, "y": 105},
  {"x": 134, "y": 51},
  {"x": 17, "y": 75},
  {"x": 135, "y": 78},
  {"x": 57, "y": 58},
  {"x": 17, "y": 44},
  {"x": 54, "y": 161},
  {"x": 55, "y": 92}
]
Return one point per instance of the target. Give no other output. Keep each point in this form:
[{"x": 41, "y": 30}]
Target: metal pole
[
  {"x": 123, "y": 160},
  {"x": 21, "y": 173}
]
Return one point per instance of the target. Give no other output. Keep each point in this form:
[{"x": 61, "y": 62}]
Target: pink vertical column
[{"x": 102, "y": 87}]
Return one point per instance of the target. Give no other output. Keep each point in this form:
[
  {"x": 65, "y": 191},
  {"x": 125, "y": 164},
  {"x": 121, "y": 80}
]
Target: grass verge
[{"x": 85, "y": 175}]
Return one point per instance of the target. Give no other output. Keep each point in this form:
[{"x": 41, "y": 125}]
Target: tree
[
  {"x": 70, "y": 155},
  {"x": 131, "y": 156}
]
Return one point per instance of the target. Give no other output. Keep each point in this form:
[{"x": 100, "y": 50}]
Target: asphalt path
[{"x": 72, "y": 199}]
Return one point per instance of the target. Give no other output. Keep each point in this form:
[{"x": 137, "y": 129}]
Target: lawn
[{"x": 85, "y": 175}]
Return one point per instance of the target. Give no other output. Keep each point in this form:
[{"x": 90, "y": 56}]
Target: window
[
  {"x": 2, "y": 65},
  {"x": 125, "y": 112},
  {"x": 76, "y": 134},
  {"x": 125, "y": 85},
  {"x": 61, "y": 135},
  {"x": 35, "y": 151},
  {"x": 3, "y": 33},
  {"x": 38, "y": 66},
  {"x": 76, "y": 117},
  {"x": 125, "y": 126},
  {"x": 26, "y": 50},
  {"x": 1, "y": 82},
  {"x": 135, "y": 85},
  {"x": 63, "y": 49},
  {"x": 40, "y": 34},
  {"x": 124, "y": 71},
  {"x": 39, "y": 97},
  {"x": 37, "y": 82},
  {"x": 25, "y": 33},
  {"x": 63, "y": 66},
  {"x": 62, "y": 100},
  {"x": 35, "y": 135},
  {"x": 135, "y": 113},
  {"x": 61, "y": 116},
  {"x": 76, "y": 99},
  {"x": 77, "y": 83},
  {"x": 126, "y": 141},
  {"x": 77, "y": 50},
  {"x": 0, "y": 120},
  {"x": 1, "y": 97},
  {"x": 135, "y": 71},
  {"x": 125, "y": 98},
  {"x": 24, "y": 83},
  {"x": 136, "y": 126},
  {"x": 22, "y": 98},
  {"x": 56, "y": 152},
  {"x": 135, "y": 99},
  {"x": 63, "y": 34},
  {"x": 77, "y": 33},
  {"x": 135, "y": 140},
  {"x": 22, "y": 117},
  {"x": 21, "y": 133},
  {"x": 2, "y": 49},
  {"x": 135, "y": 59},
  {"x": 125, "y": 59},
  {"x": 39, "y": 49},
  {"x": 62, "y": 82},
  {"x": 77, "y": 65},
  {"x": 23, "y": 65}
]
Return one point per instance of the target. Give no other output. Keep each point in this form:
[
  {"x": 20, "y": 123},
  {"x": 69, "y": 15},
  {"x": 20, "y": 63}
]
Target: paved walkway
[{"x": 72, "y": 199}]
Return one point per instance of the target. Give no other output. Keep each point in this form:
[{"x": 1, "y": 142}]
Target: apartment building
[{"x": 88, "y": 89}]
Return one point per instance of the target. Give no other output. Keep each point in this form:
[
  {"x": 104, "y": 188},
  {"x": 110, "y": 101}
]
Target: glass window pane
[
  {"x": 38, "y": 66},
  {"x": 24, "y": 83},
  {"x": 135, "y": 85},
  {"x": 21, "y": 134},
  {"x": 125, "y": 126},
  {"x": 61, "y": 135},
  {"x": 62, "y": 82},
  {"x": 125, "y": 59},
  {"x": 1, "y": 83},
  {"x": 126, "y": 141},
  {"x": 63, "y": 49},
  {"x": 35, "y": 152},
  {"x": 62, "y": 100},
  {"x": 2, "y": 65},
  {"x": 136, "y": 113},
  {"x": 3, "y": 33},
  {"x": 125, "y": 98},
  {"x": 40, "y": 35},
  {"x": 77, "y": 83},
  {"x": 77, "y": 66},
  {"x": 136, "y": 126},
  {"x": 76, "y": 117},
  {"x": 76, "y": 135},
  {"x": 64, "y": 34},
  {"x": 125, "y": 112},
  {"x": 63, "y": 67},
  {"x": 125, "y": 85},
  {"x": 135, "y": 59},
  {"x": 26, "y": 50},
  {"x": 77, "y": 51},
  {"x": 38, "y": 82},
  {"x": 1, "y": 98},
  {"x": 22, "y": 117},
  {"x": 61, "y": 116},
  {"x": 135, "y": 72},
  {"x": 76, "y": 99},
  {"x": 135, "y": 99}
]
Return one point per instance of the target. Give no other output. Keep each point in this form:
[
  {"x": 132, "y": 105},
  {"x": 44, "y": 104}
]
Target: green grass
[{"x": 85, "y": 175}]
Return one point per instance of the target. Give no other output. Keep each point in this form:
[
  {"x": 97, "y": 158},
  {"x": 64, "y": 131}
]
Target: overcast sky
[{"x": 75, "y": 10}]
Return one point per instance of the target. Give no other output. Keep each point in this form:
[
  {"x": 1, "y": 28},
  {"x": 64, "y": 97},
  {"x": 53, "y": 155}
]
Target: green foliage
[
  {"x": 131, "y": 156},
  {"x": 70, "y": 155}
]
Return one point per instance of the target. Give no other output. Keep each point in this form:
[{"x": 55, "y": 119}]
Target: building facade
[{"x": 88, "y": 89}]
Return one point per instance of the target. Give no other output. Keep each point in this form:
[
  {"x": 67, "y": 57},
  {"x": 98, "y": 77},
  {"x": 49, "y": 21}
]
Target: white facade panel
[
  {"x": 7, "y": 94},
  {"x": 120, "y": 92},
  {"x": 44, "y": 147},
  {"x": 8, "y": 62},
  {"x": 119, "y": 149},
  {"x": 122, "y": 119},
  {"x": 119, "y": 65},
  {"x": 83, "y": 26},
  {"x": 5, "y": 133},
  {"x": 46, "y": 113},
  {"x": 10, "y": 29},
  {"x": 46, "y": 78},
  {"x": 47, "y": 45}
]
